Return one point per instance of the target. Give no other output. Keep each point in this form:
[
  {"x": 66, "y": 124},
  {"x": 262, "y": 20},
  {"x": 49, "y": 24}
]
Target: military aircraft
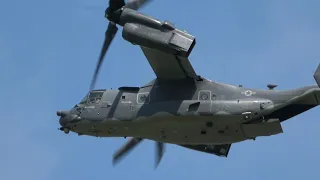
[{"x": 179, "y": 106}]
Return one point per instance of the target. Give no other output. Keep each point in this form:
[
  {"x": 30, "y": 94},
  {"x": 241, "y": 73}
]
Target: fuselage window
[
  {"x": 204, "y": 95},
  {"x": 143, "y": 98}
]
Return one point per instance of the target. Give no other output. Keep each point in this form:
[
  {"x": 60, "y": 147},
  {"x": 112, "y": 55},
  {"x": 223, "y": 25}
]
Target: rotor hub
[{"x": 113, "y": 15}]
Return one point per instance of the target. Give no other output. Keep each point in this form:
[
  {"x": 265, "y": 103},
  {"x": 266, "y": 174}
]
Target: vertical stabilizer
[{"x": 317, "y": 75}]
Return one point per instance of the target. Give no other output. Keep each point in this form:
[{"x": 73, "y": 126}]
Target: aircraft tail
[{"x": 317, "y": 75}]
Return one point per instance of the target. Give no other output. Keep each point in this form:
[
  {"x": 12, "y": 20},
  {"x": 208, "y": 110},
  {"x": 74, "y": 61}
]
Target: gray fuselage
[{"x": 185, "y": 112}]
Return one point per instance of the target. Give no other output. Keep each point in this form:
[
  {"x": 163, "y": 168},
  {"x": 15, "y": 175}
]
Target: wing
[
  {"x": 168, "y": 66},
  {"x": 166, "y": 48},
  {"x": 219, "y": 150}
]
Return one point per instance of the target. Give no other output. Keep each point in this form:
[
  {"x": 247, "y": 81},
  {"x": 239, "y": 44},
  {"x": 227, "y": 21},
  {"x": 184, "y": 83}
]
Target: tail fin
[{"x": 317, "y": 75}]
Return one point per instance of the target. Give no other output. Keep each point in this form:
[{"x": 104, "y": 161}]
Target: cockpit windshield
[{"x": 94, "y": 97}]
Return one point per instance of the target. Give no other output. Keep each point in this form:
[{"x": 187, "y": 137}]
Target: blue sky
[{"x": 48, "y": 51}]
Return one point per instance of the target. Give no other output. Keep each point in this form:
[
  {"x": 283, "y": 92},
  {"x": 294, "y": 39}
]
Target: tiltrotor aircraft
[{"x": 179, "y": 106}]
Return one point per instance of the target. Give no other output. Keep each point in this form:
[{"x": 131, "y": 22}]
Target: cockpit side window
[
  {"x": 84, "y": 100},
  {"x": 93, "y": 97}
]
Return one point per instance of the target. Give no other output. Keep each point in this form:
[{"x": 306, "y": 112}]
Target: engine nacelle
[
  {"x": 131, "y": 16},
  {"x": 166, "y": 40}
]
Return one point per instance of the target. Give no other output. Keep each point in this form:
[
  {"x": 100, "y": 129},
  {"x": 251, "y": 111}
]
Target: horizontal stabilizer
[{"x": 317, "y": 75}]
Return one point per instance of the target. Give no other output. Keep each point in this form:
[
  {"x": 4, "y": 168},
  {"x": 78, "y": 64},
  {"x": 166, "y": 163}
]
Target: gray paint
[{"x": 179, "y": 106}]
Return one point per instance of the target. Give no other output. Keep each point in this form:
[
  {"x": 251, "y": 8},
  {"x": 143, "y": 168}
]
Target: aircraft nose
[
  {"x": 63, "y": 121},
  {"x": 63, "y": 117}
]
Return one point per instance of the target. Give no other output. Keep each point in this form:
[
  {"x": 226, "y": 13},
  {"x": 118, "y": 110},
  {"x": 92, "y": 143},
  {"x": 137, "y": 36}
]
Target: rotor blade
[
  {"x": 110, "y": 33},
  {"x": 116, "y": 4},
  {"x": 159, "y": 153},
  {"x": 136, "y": 4},
  {"x": 125, "y": 149}
]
